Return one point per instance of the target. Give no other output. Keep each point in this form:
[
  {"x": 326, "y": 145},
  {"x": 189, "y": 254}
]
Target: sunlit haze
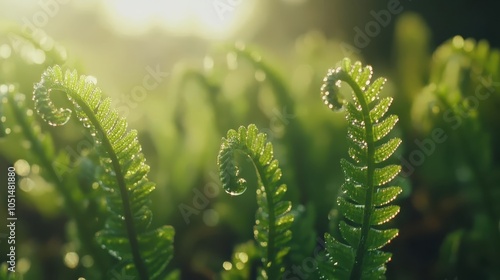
[{"x": 217, "y": 19}]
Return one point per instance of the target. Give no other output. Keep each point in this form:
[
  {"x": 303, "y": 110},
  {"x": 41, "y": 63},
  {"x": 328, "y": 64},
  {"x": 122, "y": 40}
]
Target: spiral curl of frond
[{"x": 273, "y": 218}]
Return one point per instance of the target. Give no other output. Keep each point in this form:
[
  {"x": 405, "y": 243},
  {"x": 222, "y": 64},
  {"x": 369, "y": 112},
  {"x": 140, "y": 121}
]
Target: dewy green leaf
[
  {"x": 143, "y": 252},
  {"x": 365, "y": 195},
  {"x": 273, "y": 218}
]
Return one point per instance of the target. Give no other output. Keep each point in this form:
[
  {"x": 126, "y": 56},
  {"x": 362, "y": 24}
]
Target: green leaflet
[
  {"x": 273, "y": 218},
  {"x": 364, "y": 204},
  {"x": 142, "y": 252}
]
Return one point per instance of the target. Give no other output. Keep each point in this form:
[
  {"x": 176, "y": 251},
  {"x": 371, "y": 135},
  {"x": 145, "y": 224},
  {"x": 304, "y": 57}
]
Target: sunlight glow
[{"x": 212, "y": 19}]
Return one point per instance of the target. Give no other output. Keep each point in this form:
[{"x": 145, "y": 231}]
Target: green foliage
[
  {"x": 5, "y": 274},
  {"x": 463, "y": 90},
  {"x": 364, "y": 203},
  {"x": 123, "y": 175},
  {"x": 56, "y": 166},
  {"x": 273, "y": 218},
  {"x": 452, "y": 214}
]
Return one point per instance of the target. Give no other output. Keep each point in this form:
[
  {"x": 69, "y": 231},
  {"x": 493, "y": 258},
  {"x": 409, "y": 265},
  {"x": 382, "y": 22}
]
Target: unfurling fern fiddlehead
[
  {"x": 354, "y": 253},
  {"x": 273, "y": 218},
  {"x": 141, "y": 251}
]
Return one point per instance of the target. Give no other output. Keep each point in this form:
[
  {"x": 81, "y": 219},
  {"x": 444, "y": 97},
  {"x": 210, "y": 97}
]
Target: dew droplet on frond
[
  {"x": 236, "y": 189},
  {"x": 330, "y": 91}
]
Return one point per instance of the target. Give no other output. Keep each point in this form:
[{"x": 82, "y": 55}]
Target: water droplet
[
  {"x": 458, "y": 42},
  {"x": 38, "y": 56},
  {"x": 227, "y": 265},
  {"x": 208, "y": 63},
  {"x": 232, "y": 61},
  {"x": 260, "y": 76},
  {"x": 71, "y": 260},
  {"x": 211, "y": 217},
  {"x": 22, "y": 167},
  {"x": 26, "y": 184},
  {"x": 5, "y": 51},
  {"x": 243, "y": 257},
  {"x": 237, "y": 189},
  {"x": 91, "y": 79}
]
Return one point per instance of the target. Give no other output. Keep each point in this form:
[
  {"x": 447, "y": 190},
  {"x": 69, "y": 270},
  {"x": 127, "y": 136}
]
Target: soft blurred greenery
[{"x": 266, "y": 69}]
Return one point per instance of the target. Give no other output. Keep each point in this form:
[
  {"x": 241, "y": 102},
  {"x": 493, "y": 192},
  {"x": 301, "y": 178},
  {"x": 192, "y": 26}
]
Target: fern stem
[
  {"x": 212, "y": 89},
  {"x": 129, "y": 222},
  {"x": 293, "y": 134},
  {"x": 273, "y": 272},
  {"x": 368, "y": 207}
]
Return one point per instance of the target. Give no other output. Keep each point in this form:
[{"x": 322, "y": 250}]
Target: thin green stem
[
  {"x": 368, "y": 207},
  {"x": 293, "y": 134},
  {"x": 129, "y": 222},
  {"x": 273, "y": 271}
]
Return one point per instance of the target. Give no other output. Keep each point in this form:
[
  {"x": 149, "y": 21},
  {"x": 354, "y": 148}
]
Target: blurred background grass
[{"x": 222, "y": 64}]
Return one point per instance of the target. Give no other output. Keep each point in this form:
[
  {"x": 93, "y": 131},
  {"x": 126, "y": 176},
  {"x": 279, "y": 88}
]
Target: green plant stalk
[
  {"x": 211, "y": 88},
  {"x": 72, "y": 205},
  {"x": 368, "y": 209},
  {"x": 293, "y": 135},
  {"x": 129, "y": 223},
  {"x": 270, "y": 250}
]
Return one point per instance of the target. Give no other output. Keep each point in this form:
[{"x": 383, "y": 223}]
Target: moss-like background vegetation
[{"x": 183, "y": 88}]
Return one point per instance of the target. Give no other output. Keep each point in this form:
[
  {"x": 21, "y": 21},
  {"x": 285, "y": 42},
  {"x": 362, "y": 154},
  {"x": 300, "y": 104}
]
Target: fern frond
[
  {"x": 273, "y": 218},
  {"x": 465, "y": 77},
  {"x": 364, "y": 203},
  {"x": 15, "y": 112},
  {"x": 476, "y": 58},
  {"x": 142, "y": 251}
]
